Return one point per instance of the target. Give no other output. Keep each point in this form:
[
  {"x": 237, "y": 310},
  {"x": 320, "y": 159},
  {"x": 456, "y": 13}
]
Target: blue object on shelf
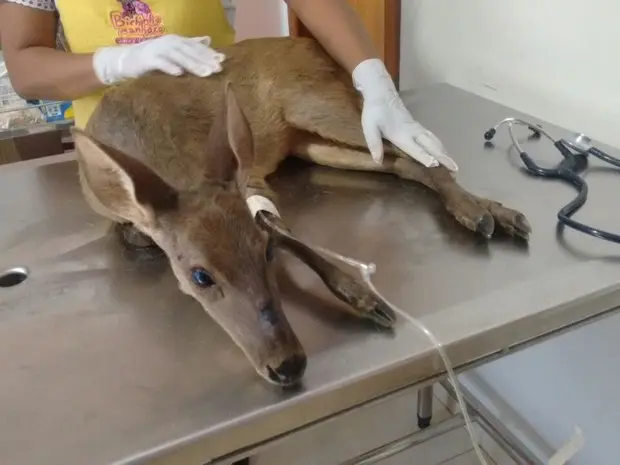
[
  {"x": 53, "y": 110},
  {"x": 56, "y": 111}
]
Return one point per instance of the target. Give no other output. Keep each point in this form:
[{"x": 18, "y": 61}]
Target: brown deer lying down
[{"x": 173, "y": 159}]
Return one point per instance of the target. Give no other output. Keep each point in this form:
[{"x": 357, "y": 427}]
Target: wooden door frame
[{"x": 389, "y": 50}]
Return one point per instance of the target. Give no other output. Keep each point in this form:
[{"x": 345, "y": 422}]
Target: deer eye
[{"x": 202, "y": 278}]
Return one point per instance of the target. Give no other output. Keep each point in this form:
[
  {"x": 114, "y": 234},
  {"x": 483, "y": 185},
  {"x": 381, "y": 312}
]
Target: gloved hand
[
  {"x": 384, "y": 115},
  {"x": 171, "y": 54}
]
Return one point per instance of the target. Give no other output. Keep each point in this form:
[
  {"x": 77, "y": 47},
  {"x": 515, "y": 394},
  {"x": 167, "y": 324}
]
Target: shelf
[
  {"x": 13, "y": 104},
  {"x": 34, "y": 129}
]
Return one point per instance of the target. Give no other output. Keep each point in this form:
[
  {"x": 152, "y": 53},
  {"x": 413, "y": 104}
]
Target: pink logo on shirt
[{"x": 136, "y": 22}]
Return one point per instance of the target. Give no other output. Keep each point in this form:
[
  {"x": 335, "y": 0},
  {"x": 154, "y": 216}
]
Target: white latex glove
[
  {"x": 384, "y": 115},
  {"x": 171, "y": 54}
]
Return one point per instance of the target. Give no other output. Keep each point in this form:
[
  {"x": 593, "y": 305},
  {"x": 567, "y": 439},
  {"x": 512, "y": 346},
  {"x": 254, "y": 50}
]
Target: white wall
[
  {"x": 559, "y": 60},
  {"x": 556, "y": 58}
]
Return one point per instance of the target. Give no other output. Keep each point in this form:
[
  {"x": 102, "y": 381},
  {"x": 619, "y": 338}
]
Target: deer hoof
[
  {"x": 486, "y": 225},
  {"x": 510, "y": 221},
  {"x": 475, "y": 217},
  {"x": 374, "y": 309},
  {"x": 363, "y": 302},
  {"x": 522, "y": 227},
  {"x": 382, "y": 315}
]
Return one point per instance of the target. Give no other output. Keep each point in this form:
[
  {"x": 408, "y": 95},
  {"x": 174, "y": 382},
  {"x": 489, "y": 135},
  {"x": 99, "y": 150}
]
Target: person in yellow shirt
[{"x": 114, "y": 40}]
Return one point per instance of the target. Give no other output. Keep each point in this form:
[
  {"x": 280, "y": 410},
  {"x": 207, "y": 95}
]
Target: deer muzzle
[{"x": 261, "y": 329}]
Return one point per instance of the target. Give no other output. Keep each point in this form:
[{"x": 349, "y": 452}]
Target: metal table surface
[{"x": 103, "y": 360}]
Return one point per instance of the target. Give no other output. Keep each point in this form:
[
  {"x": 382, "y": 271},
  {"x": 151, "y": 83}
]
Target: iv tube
[{"x": 367, "y": 270}]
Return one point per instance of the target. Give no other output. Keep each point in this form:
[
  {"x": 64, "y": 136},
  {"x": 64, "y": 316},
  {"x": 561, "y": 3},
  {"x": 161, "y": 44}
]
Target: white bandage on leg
[{"x": 257, "y": 203}]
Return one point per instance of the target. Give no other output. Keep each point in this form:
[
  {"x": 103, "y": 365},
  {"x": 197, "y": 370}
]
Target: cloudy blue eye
[{"x": 202, "y": 278}]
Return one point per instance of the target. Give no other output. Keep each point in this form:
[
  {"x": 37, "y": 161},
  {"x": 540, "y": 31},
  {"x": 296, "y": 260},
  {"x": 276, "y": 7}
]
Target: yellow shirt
[{"x": 91, "y": 24}]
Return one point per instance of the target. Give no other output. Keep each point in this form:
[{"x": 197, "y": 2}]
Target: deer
[{"x": 173, "y": 161}]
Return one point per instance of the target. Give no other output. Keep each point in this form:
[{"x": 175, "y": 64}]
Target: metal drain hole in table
[{"x": 13, "y": 277}]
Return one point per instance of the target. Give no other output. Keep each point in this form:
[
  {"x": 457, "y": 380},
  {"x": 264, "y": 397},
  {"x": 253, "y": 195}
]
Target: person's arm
[
  {"x": 39, "y": 71},
  {"x": 36, "y": 68},
  {"x": 338, "y": 28}
]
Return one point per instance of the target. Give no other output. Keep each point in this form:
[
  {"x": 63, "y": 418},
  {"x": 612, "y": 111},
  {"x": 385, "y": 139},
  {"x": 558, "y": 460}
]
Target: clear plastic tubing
[{"x": 367, "y": 270}]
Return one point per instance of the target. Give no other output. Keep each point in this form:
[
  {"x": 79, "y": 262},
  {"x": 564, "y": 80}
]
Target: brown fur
[{"x": 175, "y": 157}]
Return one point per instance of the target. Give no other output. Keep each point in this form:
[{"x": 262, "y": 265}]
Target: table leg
[
  {"x": 516, "y": 449},
  {"x": 425, "y": 406}
]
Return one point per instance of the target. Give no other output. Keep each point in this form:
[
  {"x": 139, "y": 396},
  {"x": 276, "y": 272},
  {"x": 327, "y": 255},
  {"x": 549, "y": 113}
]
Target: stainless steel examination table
[{"x": 104, "y": 361}]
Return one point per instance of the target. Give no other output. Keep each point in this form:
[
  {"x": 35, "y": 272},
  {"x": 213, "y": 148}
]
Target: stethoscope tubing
[{"x": 566, "y": 172}]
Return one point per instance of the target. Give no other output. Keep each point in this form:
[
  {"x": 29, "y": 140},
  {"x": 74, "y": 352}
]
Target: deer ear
[
  {"x": 238, "y": 131},
  {"x": 125, "y": 187},
  {"x": 230, "y": 139}
]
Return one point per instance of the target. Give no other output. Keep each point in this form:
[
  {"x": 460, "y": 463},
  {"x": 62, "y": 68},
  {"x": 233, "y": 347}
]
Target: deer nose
[{"x": 289, "y": 372}]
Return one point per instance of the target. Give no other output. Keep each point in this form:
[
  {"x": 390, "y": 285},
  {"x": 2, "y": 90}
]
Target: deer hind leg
[
  {"x": 475, "y": 213},
  {"x": 334, "y": 115}
]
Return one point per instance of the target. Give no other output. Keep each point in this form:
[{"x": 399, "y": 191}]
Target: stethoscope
[{"x": 575, "y": 152}]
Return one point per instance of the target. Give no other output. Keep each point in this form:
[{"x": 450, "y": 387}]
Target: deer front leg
[{"x": 362, "y": 302}]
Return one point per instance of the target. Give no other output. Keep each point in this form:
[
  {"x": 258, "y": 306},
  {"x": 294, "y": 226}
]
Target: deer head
[{"x": 216, "y": 250}]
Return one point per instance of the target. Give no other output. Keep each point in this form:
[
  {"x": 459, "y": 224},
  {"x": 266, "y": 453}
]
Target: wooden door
[{"x": 382, "y": 20}]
